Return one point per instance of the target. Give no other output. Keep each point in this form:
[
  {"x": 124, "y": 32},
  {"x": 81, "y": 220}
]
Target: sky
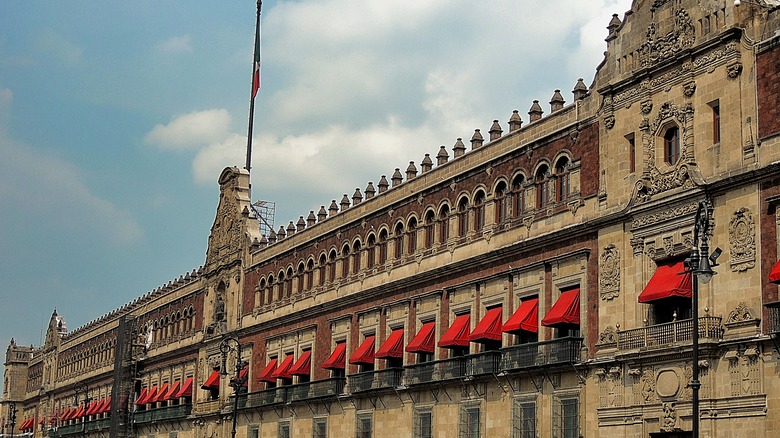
[{"x": 117, "y": 117}]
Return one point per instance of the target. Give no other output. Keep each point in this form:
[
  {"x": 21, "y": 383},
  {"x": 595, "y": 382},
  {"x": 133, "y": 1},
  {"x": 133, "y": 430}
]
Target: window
[
  {"x": 566, "y": 417},
  {"x": 672, "y": 145},
  {"x": 542, "y": 187},
  {"x": 371, "y": 252},
  {"x": 463, "y": 217},
  {"x": 631, "y": 152},
  {"x": 524, "y": 418},
  {"x": 310, "y": 275},
  {"x": 254, "y": 431},
  {"x": 173, "y": 434},
  {"x": 500, "y": 202},
  {"x": 429, "y": 229},
  {"x": 300, "y": 278},
  {"x": 356, "y": 257},
  {"x": 715, "y": 121},
  {"x": 319, "y": 427},
  {"x": 345, "y": 261},
  {"x": 284, "y": 429},
  {"x": 363, "y": 427},
  {"x": 479, "y": 211},
  {"x": 383, "y": 247},
  {"x": 563, "y": 180},
  {"x": 423, "y": 423},
  {"x": 399, "y": 241},
  {"x": 332, "y": 266},
  {"x": 412, "y": 236},
  {"x": 444, "y": 224},
  {"x": 518, "y": 196},
  {"x": 469, "y": 422}
]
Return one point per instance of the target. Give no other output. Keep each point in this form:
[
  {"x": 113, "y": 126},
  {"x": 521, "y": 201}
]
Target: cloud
[
  {"x": 176, "y": 44},
  {"x": 58, "y": 47},
  {"x": 191, "y": 131}
]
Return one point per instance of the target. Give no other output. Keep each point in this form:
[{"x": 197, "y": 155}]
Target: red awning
[
  {"x": 53, "y": 419},
  {"x": 267, "y": 374},
  {"x": 302, "y": 366},
  {"x": 42, "y": 420},
  {"x": 244, "y": 374},
  {"x": 24, "y": 424},
  {"x": 283, "y": 370},
  {"x": 669, "y": 280},
  {"x": 425, "y": 339},
  {"x": 152, "y": 395},
  {"x": 106, "y": 406},
  {"x": 393, "y": 347},
  {"x": 774, "y": 276},
  {"x": 172, "y": 393},
  {"x": 161, "y": 393},
  {"x": 93, "y": 405},
  {"x": 65, "y": 414},
  {"x": 489, "y": 328},
  {"x": 337, "y": 358},
  {"x": 79, "y": 413},
  {"x": 566, "y": 311},
  {"x": 526, "y": 317},
  {"x": 186, "y": 389},
  {"x": 458, "y": 333},
  {"x": 141, "y": 400},
  {"x": 364, "y": 353},
  {"x": 212, "y": 382}
]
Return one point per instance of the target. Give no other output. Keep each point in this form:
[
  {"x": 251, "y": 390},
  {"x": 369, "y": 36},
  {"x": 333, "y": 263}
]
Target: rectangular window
[
  {"x": 423, "y": 423},
  {"x": 254, "y": 432},
  {"x": 566, "y": 417},
  {"x": 363, "y": 426},
  {"x": 469, "y": 422},
  {"x": 284, "y": 429},
  {"x": 631, "y": 152},
  {"x": 319, "y": 428},
  {"x": 715, "y": 122},
  {"x": 524, "y": 419},
  {"x": 173, "y": 434}
]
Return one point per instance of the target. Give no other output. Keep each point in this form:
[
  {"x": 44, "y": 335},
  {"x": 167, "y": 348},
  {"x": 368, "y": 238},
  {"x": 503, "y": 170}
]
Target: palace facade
[{"x": 535, "y": 283}]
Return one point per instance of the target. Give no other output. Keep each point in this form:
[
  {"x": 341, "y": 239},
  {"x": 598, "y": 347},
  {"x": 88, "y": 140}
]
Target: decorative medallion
[
  {"x": 742, "y": 240},
  {"x": 609, "y": 272}
]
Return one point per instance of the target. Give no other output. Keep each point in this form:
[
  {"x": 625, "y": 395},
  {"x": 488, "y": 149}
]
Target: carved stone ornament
[
  {"x": 609, "y": 121},
  {"x": 646, "y": 106},
  {"x": 609, "y": 273},
  {"x": 668, "y": 418},
  {"x": 741, "y": 314},
  {"x": 689, "y": 88},
  {"x": 734, "y": 69},
  {"x": 608, "y": 338},
  {"x": 657, "y": 48},
  {"x": 742, "y": 240},
  {"x": 664, "y": 215}
]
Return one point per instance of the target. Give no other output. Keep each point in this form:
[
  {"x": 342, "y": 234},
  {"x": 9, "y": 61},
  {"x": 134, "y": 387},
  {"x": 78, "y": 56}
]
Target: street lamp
[
  {"x": 700, "y": 264},
  {"x": 12, "y": 412},
  {"x": 80, "y": 388},
  {"x": 237, "y": 382}
]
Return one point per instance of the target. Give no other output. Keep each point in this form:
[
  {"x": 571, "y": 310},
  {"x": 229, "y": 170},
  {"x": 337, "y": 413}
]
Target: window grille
[
  {"x": 524, "y": 419},
  {"x": 566, "y": 417},
  {"x": 284, "y": 429},
  {"x": 319, "y": 428},
  {"x": 254, "y": 432},
  {"x": 469, "y": 422},
  {"x": 423, "y": 423},
  {"x": 363, "y": 428}
]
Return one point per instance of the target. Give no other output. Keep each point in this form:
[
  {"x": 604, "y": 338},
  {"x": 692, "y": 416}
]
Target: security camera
[{"x": 737, "y": 3}]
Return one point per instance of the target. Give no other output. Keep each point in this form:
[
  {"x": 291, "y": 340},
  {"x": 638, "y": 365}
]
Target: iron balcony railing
[
  {"x": 437, "y": 370},
  {"x": 664, "y": 335},
  {"x": 162, "y": 414},
  {"x": 317, "y": 389},
  {"x": 535, "y": 354},
  {"x": 488, "y": 362},
  {"x": 266, "y": 397},
  {"x": 773, "y": 317},
  {"x": 379, "y": 379}
]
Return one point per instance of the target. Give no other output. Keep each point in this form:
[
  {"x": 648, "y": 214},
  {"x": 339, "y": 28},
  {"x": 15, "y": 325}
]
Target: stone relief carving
[
  {"x": 646, "y": 106},
  {"x": 734, "y": 69},
  {"x": 657, "y": 48},
  {"x": 225, "y": 238},
  {"x": 609, "y": 273},
  {"x": 741, "y": 314},
  {"x": 609, "y": 121},
  {"x": 668, "y": 417},
  {"x": 689, "y": 88},
  {"x": 651, "y": 219},
  {"x": 647, "y": 385},
  {"x": 742, "y": 240},
  {"x": 608, "y": 338}
]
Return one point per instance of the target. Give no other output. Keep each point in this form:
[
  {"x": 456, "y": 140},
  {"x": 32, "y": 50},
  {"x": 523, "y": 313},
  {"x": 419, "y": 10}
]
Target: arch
[
  {"x": 562, "y": 178},
  {"x": 479, "y": 209},
  {"x": 310, "y": 273},
  {"x": 356, "y": 252},
  {"x": 345, "y": 256},
  {"x": 500, "y": 206},
  {"x": 542, "y": 181},
  {"x": 332, "y": 264},
  {"x": 398, "y": 233},
  {"x": 463, "y": 215},
  {"x": 444, "y": 222},
  {"x": 383, "y": 237},
  {"x": 412, "y": 232},
  {"x": 430, "y": 227},
  {"x": 518, "y": 194},
  {"x": 371, "y": 250}
]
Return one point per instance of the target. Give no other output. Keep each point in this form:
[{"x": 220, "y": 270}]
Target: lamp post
[
  {"x": 700, "y": 264},
  {"x": 80, "y": 388},
  {"x": 12, "y": 413},
  {"x": 237, "y": 382}
]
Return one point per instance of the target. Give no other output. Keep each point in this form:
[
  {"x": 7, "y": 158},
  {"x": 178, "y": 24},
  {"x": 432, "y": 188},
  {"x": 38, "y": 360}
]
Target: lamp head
[
  {"x": 737, "y": 3},
  {"x": 714, "y": 256}
]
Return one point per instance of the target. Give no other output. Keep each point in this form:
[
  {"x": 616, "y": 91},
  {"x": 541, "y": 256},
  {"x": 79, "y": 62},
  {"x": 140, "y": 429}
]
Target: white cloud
[
  {"x": 57, "y": 46},
  {"x": 176, "y": 44},
  {"x": 190, "y": 131}
]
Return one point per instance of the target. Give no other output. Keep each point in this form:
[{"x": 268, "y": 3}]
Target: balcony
[
  {"x": 773, "y": 317},
  {"x": 162, "y": 414},
  {"x": 317, "y": 389},
  {"x": 207, "y": 407},
  {"x": 96, "y": 425},
  {"x": 487, "y": 362},
  {"x": 380, "y": 379},
  {"x": 437, "y": 370},
  {"x": 535, "y": 354},
  {"x": 267, "y": 397},
  {"x": 665, "y": 335}
]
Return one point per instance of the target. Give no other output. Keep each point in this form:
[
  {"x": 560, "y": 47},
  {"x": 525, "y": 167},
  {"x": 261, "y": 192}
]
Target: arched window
[
  {"x": 518, "y": 196},
  {"x": 261, "y": 294},
  {"x": 430, "y": 228},
  {"x": 270, "y": 290},
  {"x": 345, "y": 261},
  {"x": 280, "y": 286},
  {"x": 463, "y": 217},
  {"x": 412, "y": 236},
  {"x": 300, "y": 277},
  {"x": 310, "y": 274},
  {"x": 672, "y": 145},
  {"x": 288, "y": 289},
  {"x": 444, "y": 223},
  {"x": 542, "y": 187},
  {"x": 356, "y": 257},
  {"x": 383, "y": 247},
  {"x": 479, "y": 211},
  {"x": 332, "y": 266},
  {"x": 371, "y": 251},
  {"x": 499, "y": 203},
  {"x": 399, "y": 240},
  {"x": 563, "y": 177},
  {"x": 323, "y": 264}
]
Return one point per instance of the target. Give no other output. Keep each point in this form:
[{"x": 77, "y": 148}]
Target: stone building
[{"x": 536, "y": 284}]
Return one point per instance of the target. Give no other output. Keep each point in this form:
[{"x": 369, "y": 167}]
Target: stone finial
[
  {"x": 495, "y": 131},
  {"x": 427, "y": 163},
  {"x": 476, "y": 140},
  {"x": 281, "y": 234},
  {"x": 612, "y": 27},
  {"x": 535, "y": 112},
  {"x": 271, "y": 237},
  {"x": 333, "y": 208},
  {"x": 322, "y": 214},
  {"x": 442, "y": 157},
  {"x": 397, "y": 178},
  {"x": 301, "y": 224},
  {"x": 344, "y": 202},
  {"x": 411, "y": 171},
  {"x": 291, "y": 228},
  {"x": 312, "y": 218},
  {"x": 383, "y": 184},
  {"x": 580, "y": 89},
  {"x": 370, "y": 190},
  {"x": 458, "y": 149},
  {"x": 556, "y": 101},
  {"x": 357, "y": 197},
  {"x": 515, "y": 122}
]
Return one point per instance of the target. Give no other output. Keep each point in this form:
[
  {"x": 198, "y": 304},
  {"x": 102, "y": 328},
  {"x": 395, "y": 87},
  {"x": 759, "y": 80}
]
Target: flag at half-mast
[{"x": 256, "y": 74}]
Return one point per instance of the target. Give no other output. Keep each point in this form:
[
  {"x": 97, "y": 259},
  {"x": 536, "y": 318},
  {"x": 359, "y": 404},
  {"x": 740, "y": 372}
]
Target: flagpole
[{"x": 255, "y": 86}]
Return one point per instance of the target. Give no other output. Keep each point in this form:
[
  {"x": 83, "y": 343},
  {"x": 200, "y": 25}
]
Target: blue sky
[{"x": 117, "y": 117}]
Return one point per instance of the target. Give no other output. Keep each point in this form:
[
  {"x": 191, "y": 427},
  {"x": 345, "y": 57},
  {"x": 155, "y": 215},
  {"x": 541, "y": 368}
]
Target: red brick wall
[
  {"x": 768, "y": 230},
  {"x": 768, "y": 89}
]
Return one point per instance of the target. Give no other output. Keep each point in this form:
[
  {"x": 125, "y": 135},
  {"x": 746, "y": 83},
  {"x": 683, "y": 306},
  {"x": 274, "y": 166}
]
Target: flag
[{"x": 256, "y": 74}]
